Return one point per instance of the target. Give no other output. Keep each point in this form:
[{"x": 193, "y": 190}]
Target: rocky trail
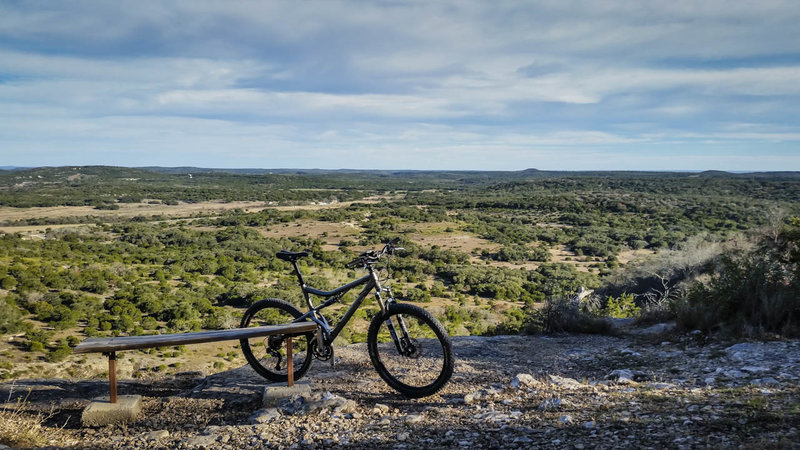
[{"x": 564, "y": 391}]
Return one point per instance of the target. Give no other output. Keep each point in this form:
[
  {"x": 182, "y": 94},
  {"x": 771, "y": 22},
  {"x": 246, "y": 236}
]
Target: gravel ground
[{"x": 566, "y": 391}]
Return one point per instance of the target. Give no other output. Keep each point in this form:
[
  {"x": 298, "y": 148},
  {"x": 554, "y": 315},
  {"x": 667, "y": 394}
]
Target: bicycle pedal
[{"x": 333, "y": 359}]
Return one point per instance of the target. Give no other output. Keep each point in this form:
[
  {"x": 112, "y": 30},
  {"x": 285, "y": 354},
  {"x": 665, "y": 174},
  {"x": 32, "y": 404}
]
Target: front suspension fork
[{"x": 402, "y": 340}]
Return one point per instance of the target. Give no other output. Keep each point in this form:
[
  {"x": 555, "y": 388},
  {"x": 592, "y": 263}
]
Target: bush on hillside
[
  {"x": 10, "y": 317},
  {"x": 558, "y": 315},
  {"x": 752, "y": 291}
]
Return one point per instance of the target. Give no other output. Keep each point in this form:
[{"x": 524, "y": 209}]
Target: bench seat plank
[{"x": 116, "y": 344}]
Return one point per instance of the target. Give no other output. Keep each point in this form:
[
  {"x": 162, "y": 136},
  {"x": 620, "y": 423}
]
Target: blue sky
[{"x": 465, "y": 84}]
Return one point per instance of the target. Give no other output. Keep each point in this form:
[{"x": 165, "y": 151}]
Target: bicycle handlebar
[{"x": 373, "y": 256}]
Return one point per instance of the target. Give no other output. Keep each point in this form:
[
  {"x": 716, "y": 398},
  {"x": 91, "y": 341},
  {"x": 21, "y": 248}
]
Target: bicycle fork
[{"x": 402, "y": 340}]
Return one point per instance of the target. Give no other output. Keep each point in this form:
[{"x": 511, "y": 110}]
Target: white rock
[
  {"x": 565, "y": 419},
  {"x": 567, "y": 383},
  {"x": 741, "y": 347},
  {"x": 492, "y": 416},
  {"x": 627, "y": 351},
  {"x": 754, "y": 369},
  {"x": 768, "y": 381},
  {"x": 155, "y": 435},
  {"x": 621, "y": 376},
  {"x": 264, "y": 416},
  {"x": 380, "y": 408},
  {"x": 472, "y": 397},
  {"x": 412, "y": 419},
  {"x": 523, "y": 379}
]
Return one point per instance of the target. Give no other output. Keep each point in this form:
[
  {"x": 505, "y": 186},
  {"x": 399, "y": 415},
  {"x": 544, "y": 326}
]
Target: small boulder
[
  {"x": 565, "y": 382},
  {"x": 155, "y": 435},
  {"x": 380, "y": 408},
  {"x": 413, "y": 419},
  {"x": 264, "y": 416},
  {"x": 621, "y": 376},
  {"x": 626, "y": 376},
  {"x": 523, "y": 380}
]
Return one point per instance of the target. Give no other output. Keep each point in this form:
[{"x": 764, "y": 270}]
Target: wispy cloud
[{"x": 407, "y": 84}]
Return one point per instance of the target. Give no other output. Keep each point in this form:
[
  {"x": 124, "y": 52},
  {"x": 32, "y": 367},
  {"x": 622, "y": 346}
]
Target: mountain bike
[{"x": 408, "y": 347}]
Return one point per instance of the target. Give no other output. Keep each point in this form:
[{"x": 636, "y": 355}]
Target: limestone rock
[
  {"x": 264, "y": 416},
  {"x": 523, "y": 380},
  {"x": 565, "y": 382}
]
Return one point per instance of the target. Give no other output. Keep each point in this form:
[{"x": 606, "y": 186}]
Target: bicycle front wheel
[
  {"x": 267, "y": 354},
  {"x": 410, "y": 350}
]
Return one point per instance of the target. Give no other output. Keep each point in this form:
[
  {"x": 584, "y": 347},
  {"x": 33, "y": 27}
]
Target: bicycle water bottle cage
[{"x": 286, "y": 255}]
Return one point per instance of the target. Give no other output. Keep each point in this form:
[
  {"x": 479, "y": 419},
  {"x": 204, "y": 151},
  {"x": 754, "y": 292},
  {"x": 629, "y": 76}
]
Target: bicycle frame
[{"x": 370, "y": 282}]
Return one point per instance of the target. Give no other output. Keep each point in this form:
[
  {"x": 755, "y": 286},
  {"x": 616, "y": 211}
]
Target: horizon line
[{"x": 737, "y": 172}]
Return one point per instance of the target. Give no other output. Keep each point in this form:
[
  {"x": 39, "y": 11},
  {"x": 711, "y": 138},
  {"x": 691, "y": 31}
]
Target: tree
[{"x": 10, "y": 317}]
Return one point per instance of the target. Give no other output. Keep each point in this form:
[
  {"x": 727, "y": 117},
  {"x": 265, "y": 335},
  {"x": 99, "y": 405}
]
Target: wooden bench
[{"x": 110, "y": 346}]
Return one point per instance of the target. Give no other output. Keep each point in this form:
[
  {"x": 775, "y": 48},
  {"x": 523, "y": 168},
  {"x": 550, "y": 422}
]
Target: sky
[{"x": 453, "y": 85}]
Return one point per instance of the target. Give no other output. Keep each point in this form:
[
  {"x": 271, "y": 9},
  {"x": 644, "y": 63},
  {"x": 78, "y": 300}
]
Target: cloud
[{"x": 480, "y": 82}]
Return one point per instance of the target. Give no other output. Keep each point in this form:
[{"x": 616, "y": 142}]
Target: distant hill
[{"x": 461, "y": 175}]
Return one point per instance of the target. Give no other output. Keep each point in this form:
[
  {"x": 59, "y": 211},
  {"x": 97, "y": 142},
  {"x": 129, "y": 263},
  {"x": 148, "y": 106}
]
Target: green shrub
[
  {"x": 751, "y": 292},
  {"x": 8, "y": 282},
  {"x": 35, "y": 347},
  {"x": 61, "y": 352},
  {"x": 561, "y": 315},
  {"x": 10, "y": 317},
  {"x": 621, "y": 307},
  {"x": 558, "y": 315}
]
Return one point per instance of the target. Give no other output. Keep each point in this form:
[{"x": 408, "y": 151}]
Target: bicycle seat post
[{"x": 298, "y": 273}]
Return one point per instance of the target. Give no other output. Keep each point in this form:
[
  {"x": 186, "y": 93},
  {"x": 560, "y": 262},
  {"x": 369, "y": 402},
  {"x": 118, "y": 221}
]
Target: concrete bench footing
[
  {"x": 102, "y": 412},
  {"x": 274, "y": 393}
]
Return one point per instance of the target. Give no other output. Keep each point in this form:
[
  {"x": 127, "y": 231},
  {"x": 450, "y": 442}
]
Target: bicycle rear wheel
[
  {"x": 267, "y": 354},
  {"x": 410, "y": 350}
]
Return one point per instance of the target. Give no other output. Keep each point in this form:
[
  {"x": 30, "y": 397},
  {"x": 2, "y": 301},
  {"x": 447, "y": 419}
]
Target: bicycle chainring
[{"x": 323, "y": 354}]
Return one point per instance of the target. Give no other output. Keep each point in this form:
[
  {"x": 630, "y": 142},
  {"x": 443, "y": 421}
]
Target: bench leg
[
  {"x": 289, "y": 362},
  {"x": 112, "y": 376}
]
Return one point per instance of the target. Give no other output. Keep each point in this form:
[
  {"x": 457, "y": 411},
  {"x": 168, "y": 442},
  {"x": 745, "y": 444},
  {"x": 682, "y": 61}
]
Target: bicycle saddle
[{"x": 286, "y": 255}]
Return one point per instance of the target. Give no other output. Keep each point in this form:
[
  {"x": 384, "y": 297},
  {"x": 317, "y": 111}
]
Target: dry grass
[
  {"x": 627, "y": 256},
  {"x": 125, "y": 210},
  {"x": 434, "y": 234},
  {"x": 22, "y": 429}
]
